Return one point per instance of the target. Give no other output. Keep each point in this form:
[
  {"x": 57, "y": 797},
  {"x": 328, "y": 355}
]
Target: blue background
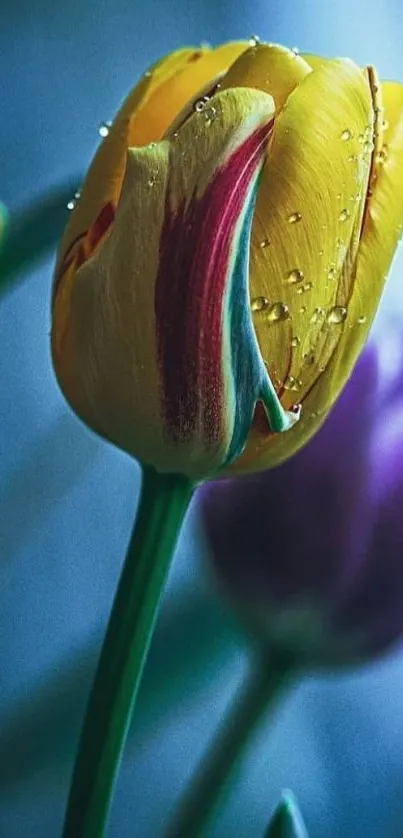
[{"x": 67, "y": 500}]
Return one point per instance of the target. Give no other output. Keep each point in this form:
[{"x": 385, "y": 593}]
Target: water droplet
[
  {"x": 259, "y": 303},
  {"x": 264, "y": 243},
  {"x": 331, "y": 274},
  {"x": 294, "y": 276},
  {"x": 362, "y": 319},
  {"x": 305, "y": 288},
  {"x": 296, "y": 341},
  {"x": 104, "y": 128},
  {"x": 382, "y": 155},
  {"x": 71, "y": 204},
  {"x": 339, "y": 244},
  {"x": 346, "y": 135},
  {"x": 318, "y": 315},
  {"x": 295, "y": 50},
  {"x": 200, "y": 105},
  {"x": 148, "y": 74},
  {"x": 294, "y": 217},
  {"x": 385, "y": 124},
  {"x": 365, "y": 135},
  {"x": 309, "y": 358},
  {"x": 291, "y": 383},
  {"x": 344, "y": 215},
  {"x": 278, "y": 311},
  {"x": 302, "y": 310},
  {"x": 211, "y": 114},
  {"x": 254, "y": 41},
  {"x": 368, "y": 147},
  {"x": 337, "y": 314},
  {"x": 77, "y": 195}
]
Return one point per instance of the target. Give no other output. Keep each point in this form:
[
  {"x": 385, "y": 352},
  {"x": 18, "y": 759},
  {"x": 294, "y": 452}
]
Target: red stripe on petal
[
  {"x": 101, "y": 225},
  {"x": 195, "y": 254},
  {"x": 83, "y": 246}
]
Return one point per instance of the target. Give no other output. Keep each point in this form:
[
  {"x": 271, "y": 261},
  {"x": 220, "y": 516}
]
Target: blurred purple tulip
[{"x": 311, "y": 553}]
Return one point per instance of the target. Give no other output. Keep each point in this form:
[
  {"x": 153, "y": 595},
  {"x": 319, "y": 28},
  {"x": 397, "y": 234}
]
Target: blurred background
[{"x": 67, "y": 500}]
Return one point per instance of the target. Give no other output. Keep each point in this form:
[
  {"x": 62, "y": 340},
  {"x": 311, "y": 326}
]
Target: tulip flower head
[
  {"x": 223, "y": 264},
  {"x": 310, "y": 554}
]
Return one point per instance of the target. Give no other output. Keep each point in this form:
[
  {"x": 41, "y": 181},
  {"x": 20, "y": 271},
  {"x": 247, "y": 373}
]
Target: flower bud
[{"x": 226, "y": 256}]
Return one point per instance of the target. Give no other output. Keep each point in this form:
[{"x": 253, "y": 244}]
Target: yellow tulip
[{"x": 222, "y": 267}]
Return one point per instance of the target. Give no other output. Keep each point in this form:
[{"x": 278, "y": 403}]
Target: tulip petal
[
  {"x": 312, "y": 200},
  {"x": 392, "y": 99},
  {"x": 381, "y": 231},
  {"x": 206, "y": 242},
  {"x": 315, "y": 61},
  {"x": 159, "y": 353},
  {"x": 268, "y": 67},
  {"x": 143, "y": 118}
]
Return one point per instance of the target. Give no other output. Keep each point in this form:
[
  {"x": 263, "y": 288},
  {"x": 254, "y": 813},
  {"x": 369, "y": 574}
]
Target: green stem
[
  {"x": 163, "y": 503},
  {"x": 217, "y": 767}
]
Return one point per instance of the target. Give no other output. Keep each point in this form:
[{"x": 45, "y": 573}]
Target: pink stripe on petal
[{"x": 197, "y": 253}]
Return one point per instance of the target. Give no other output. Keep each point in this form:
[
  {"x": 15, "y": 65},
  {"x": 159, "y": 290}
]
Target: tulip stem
[
  {"x": 163, "y": 503},
  {"x": 217, "y": 767}
]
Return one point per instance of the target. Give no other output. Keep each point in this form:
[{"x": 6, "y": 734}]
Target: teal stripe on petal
[{"x": 251, "y": 380}]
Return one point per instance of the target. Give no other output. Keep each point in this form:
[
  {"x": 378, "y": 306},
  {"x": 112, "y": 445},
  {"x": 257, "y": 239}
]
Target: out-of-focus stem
[{"x": 261, "y": 692}]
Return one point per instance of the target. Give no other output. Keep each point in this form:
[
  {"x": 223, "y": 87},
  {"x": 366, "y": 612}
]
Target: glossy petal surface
[{"x": 313, "y": 213}]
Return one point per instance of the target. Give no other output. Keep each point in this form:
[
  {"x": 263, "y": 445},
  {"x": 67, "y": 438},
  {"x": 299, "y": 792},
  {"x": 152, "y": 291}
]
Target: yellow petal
[
  {"x": 311, "y": 198},
  {"x": 270, "y": 68},
  {"x": 382, "y": 229},
  {"x": 315, "y": 61},
  {"x": 173, "y": 94},
  {"x": 310, "y": 206},
  {"x": 392, "y": 100},
  {"x": 143, "y": 118}
]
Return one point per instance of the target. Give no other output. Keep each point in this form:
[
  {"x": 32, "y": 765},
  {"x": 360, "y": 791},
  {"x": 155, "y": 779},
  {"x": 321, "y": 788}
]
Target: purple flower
[{"x": 311, "y": 553}]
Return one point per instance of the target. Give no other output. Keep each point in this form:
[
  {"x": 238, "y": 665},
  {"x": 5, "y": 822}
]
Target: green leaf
[
  {"x": 32, "y": 234},
  {"x": 287, "y": 820},
  {"x": 3, "y": 224}
]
